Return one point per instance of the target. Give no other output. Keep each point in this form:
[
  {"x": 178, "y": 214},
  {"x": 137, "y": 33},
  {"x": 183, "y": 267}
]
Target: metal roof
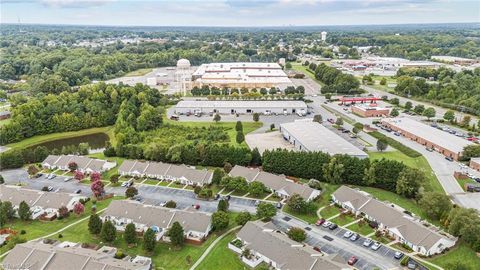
[{"x": 241, "y": 104}]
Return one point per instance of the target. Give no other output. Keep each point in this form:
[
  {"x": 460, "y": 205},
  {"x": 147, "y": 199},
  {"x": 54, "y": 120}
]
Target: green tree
[
  {"x": 317, "y": 118},
  {"x": 239, "y": 126},
  {"x": 383, "y": 81},
  {"x": 256, "y": 157},
  {"x": 176, "y": 234},
  {"x": 217, "y": 176},
  {"x": 131, "y": 192},
  {"x": 272, "y": 126},
  {"x": 220, "y": 220},
  {"x": 395, "y": 101},
  {"x": 256, "y": 188},
  {"x": 333, "y": 171},
  {"x": 171, "y": 204},
  {"x": 256, "y": 117},
  {"x": 94, "y": 224},
  {"x": 222, "y": 205},
  {"x": 243, "y": 217},
  {"x": 435, "y": 205},
  {"x": 217, "y": 118},
  {"x": 10, "y": 212},
  {"x": 149, "y": 240},
  {"x": 297, "y": 234},
  {"x": 130, "y": 234},
  {"x": 24, "y": 211},
  {"x": 298, "y": 204},
  {"x": 449, "y": 115},
  {"x": 288, "y": 65},
  {"x": 394, "y": 112},
  {"x": 408, "y": 105},
  {"x": 339, "y": 121},
  {"x": 382, "y": 144},
  {"x": 266, "y": 211},
  {"x": 3, "y": 217},
  {"x": 240, "y": 137},
  {"x": 419, "y": 109},
  {"x": 471, "y": 151},
  {"x": 108, "y": 232},
  {"x": 429, "y": 112},
  {"x": 114, "y": 178},
  {"x": 409, "y": 182}
]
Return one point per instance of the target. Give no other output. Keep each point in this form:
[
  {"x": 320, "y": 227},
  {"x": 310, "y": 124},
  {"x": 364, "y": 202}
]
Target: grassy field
[
  {"x": 306, "y": 71},
  {"x": 4, "y": 122},
  {"x": 419, "y": 162},
  {"x": 62, "y": 135},
  {"x": 35, "y": 228},
  {"x": 459, "y": 254},
  {"x": 329, "y": 211},
  {"x": 343, "y": 220},
  {"x": 309, "y": 217},
  {"x": 361, "y": 229},
  {"x": 165, "y": 256},
  {"x": 222, "y": 258},
  {"x": 138, "y": 72}
]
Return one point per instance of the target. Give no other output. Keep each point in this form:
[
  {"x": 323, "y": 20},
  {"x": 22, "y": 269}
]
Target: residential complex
[
  {"x": 240, "y": 106},
  {"x": 84, "y": 164},
  {"x": 279, "y": 184},
  {"x": 268, "y": 245},
  {"x": 48, "y": 255},
  {"x": 443, "y": 142},
  {"x": 422, "y": 238},
  {"x": 42, "y": 204},
  {"x": 196, "y": 225},
  {"x": 241, "y": 75},
  {"x": 364, "y": 110},
  {"x": 312, "y": 136},
  {"x": 164, "y": 171}
]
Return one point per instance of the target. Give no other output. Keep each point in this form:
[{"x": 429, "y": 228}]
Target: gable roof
[
  {"x": 43, "y": 199},
  {"x": 410, "y": 229},
  {"x": 82, "y": 162}
]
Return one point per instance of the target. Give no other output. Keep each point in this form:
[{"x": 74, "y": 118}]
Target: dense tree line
[
  {"x": 91, "y": 106},
  {"x": 336, "y": 81}
]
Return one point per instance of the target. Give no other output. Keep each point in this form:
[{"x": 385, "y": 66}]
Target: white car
[
  {"x": 367, "y": 242},
  {"x": 376, "y": 246},
  {"x": 347, "y": 234},
  {"x": 326, "y": 224}
]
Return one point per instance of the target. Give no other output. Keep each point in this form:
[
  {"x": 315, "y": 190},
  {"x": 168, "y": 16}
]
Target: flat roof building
[
  {"x": 314, "y": 137},
  {"x": 454, "y": 59},
  {"x": 443, "y": 142},
  {"x": 369, "y": 111},
  {"x": 240, "y": 106},
  {"x": 425, "y": 239},
  {"x": 475, "y": 164},
  {"x": 242, "y": 74}
]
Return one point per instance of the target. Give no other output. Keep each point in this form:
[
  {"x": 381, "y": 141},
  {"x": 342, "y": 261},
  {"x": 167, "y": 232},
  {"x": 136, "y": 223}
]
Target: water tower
[
  {"x": 183, "y": 75},
  {"x": 324, "y": 36}
]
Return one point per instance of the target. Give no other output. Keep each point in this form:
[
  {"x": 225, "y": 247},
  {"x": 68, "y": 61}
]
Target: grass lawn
[
  {"x": 459, "y": 254},
  {"x": 419, "y": 163},
  {"x": 215, "y": 188},
  {"x": 239, "y": 193},
  {"x": 329, "y": 211},
  {"x": 274, "y": 198},
  {"x": 164, "y": 256},
  {"x": 261, "y": 196},
  {"x": 221, "y": 257},
  {"x": 62, "y": 135},
  {"x": 400, "y": 247},
  {"x": 403, "y": 202},
  {"x": 309, "y": 217},
  {"x": 5, "y": 121},
  {"x": 151, "y": 182},
  {"x": 164, "y": 183},
  {"x": 304, "y": 69},
  {"x": 175, "y": 185},
  {"x": 326, "y": 195},
  {"x": 138, "y": 72},
  {"x": 35, "y": 228},
  {"x": 462, "y": 182},
  {"x": 361, "y": 229},
  {"x": 343, "y": 220},
  {"x": 382, "y": 239}
]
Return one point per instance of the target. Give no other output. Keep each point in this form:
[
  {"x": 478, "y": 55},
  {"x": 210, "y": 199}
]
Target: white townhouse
[
  {"x": 423, "y": 238},
  {"x": 85, "y": 164}
]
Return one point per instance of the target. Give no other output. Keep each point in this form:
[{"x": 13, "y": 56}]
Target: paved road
[{"x": 367, "y": 258}]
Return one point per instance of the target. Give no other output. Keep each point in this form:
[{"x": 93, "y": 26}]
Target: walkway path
[{"x": 212, "y": 245}]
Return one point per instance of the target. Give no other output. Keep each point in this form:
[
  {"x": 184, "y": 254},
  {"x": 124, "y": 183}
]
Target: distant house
[
  {"x": 164, "y": 171},
  {"x": 85, "y": 164},
  {"x": 278, "y": 184},
  {"x": 277, "y": 250},
  {"x": 66, "y": 255},
  {"x": 196, "y": 225},
  {"x": 424, "y": 239},
  {"x": 40, "y": 202}
]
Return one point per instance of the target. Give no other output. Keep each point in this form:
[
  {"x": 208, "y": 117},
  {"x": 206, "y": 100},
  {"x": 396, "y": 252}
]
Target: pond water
[{"x": 96, "y": 141}]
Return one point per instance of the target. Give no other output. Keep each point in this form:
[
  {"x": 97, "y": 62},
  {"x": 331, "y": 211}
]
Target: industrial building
[
  {"x": 240, "y": 106},
  {"x": 454, "y": 60},
  {"x": 364, "y": 110},
  {"x": 438, "y": 140},
  {"x": 312, "y": 136},
  {"x": 475, "y": 164},
  {"x": 241, "y": 75}
]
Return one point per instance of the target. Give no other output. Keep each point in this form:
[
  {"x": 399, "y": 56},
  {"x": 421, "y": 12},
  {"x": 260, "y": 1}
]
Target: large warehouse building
[
  {"x": 312, "y": 136},
  {"x": 239, "y": 75},
  {"x": 240, "y": 106},
  {"x": 438, "y": 140}
]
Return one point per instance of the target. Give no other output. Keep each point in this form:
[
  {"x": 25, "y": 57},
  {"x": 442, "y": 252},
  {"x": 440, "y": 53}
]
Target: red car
[
  {"x": 352, "y": 260},
  {"x": 196, "y": 206},
  {"x": 320, "y": 222},
  {"x": 472, "y": 139},
  {"x": 317, "y": 249}
]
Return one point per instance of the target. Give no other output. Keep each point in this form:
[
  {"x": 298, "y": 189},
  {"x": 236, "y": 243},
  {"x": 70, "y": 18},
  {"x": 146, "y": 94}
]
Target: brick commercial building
[
  {"x": 438, "y": 140},
  {"x": 370, "y": 111},
  {"x": 475, "y": 164},
  {"x": 266, "y": 107}
]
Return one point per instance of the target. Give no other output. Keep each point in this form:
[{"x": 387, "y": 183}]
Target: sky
[{"x": 238, "y": 13}]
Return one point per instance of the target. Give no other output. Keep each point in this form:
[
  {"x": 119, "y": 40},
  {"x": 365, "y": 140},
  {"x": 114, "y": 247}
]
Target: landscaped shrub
[
  {"x": 60, "y": 235},
  {"x": 23, "y": 232}
]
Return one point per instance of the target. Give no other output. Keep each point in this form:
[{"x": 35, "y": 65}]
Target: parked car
[
  {"x": 354, "y": 237},
  {"x": 78, "y": 191},
  {"x": 51, "y": 176},
  {"x": 174, "y": 117},
  {"x": 449, "y": 159},
  {"x": 333, "y": 226},
  {"x": 376, "y": 246},
  {"x": 228, "y": 197},
  {"x": 352, "y": 260},
  {"x": 398, "y": 255},
  {"x": 367, "y": 242},
  {"x": 196, "y": 206},
  {"x": 50, "y": 188},
  {"x": 326, "y": 224},
  {"x": 396, "y": 133},
  {"x": 429, "y": 149},
  {"x": 317, "y": 249},
  {"x": 257, "y": 202},
  {"x": 217, "y": 196},
  {"x": 347, "y": 234},
  {"x": 68, "y": 179},
  {"x": 279, "y": 205},
  {"x": 411, "y": 265},
  {"x": 320, "y": 222}
]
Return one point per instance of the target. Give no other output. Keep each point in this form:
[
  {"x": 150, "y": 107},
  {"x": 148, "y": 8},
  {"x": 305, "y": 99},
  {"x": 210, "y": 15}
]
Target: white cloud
[{"x": 74, "y": 3}]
